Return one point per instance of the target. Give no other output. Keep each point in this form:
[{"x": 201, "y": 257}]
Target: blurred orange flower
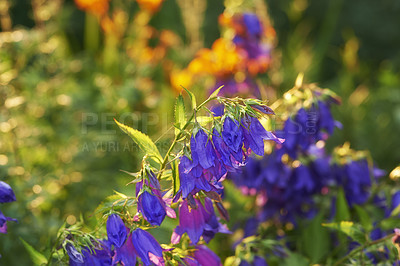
[
  {"x": 97, "y": 7},
  {"x": 181, "y": 78},
  {"x": 150, "y": 5}
]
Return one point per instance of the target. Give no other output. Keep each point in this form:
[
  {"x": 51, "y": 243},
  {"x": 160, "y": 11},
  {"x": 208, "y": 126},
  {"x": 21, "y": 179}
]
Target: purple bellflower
[
  {"x": 190, "y": 181},
  {"x": 147, "y": 247},
  {"x": 125, "y": 255},
  {"x": 116, "y": 231},
  {"x": 203, "y": 153},
  {"x": 150, "y": 201},
  {"x": 89, "y": 257},
  {"x": 206, "y": 257},
  {"x": 74, "y": 255},
  {"x": 198, "y": 222},
  {"x": 3, "y": 223},
  {"x": 254, "y": 135},
  {"x": 6, "y": 193},
  {"x": 355, "y": 179}
]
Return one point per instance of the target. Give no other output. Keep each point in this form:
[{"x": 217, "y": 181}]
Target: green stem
[
  {"x": 179, "y": 135},
  {"x": 361, "y": 248},
  {"x": 92, "y": 33},
  {"x": 52, "y": 250}
]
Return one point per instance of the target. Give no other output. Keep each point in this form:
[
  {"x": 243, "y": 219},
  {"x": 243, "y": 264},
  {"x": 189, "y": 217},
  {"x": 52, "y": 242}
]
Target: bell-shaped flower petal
[
  {"x": 74, "y": 255},
  {"x": 6, "y": 193},
  {"x": 206, "y": 256},
  {"x": 145, "y": 244},
  {"x": 152, "y": 208},
  {"x": 125, "y": 255},
  {"x": 202, "y": 150},
  {"x": 232, "y": 134},
  {"x": 116, "y": 231},
  {"x": 3, "y": 223},
  {"x": 191, "y": 221}
]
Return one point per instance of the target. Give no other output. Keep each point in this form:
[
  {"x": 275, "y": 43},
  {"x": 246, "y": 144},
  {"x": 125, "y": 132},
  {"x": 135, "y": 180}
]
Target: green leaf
[
  {"x": 36, "y": 257},
  {"x": 175, "y": 175},
  {"x": 114, "y": 201},
  {"x": 365, "y": 219},
  {"x": 142, "y": 140},
  {"x": 315, "y": 239},
  {"x": 204, "y": 120},
  {"x": 295, "y": 259},
  {"x": 215, "y": 93},
  {"x": 180, "y": 119},
  {"x": 192, "y": 98},
  {"x": 396, "y": 211},
  {"x": 349, "y": 228},
  {"x": 342, "y": 209}
]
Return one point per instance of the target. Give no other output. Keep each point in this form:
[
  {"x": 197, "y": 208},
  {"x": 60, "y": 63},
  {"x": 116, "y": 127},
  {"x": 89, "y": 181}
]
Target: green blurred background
[{"x": 63, "y": 77}]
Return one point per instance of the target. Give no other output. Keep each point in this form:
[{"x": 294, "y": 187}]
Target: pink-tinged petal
[
  {"x": 176, "y": 236},
  {"x": 3, "y": 228},
  {"x": 191, "y": 221},
  {"x": 159, "y": 261},
  {"x": 170, "y": 212}
]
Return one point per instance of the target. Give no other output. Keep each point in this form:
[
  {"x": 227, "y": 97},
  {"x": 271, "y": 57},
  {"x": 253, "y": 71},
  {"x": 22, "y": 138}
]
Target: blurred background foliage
[{"x": 66, "y": 70}]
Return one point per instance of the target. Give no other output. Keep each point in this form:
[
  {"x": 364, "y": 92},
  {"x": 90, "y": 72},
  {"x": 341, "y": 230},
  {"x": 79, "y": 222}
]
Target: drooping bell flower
[
  {"x": 233, "y": 138},
  {"x": 206, "y": 256},
  {"x": 152, "y": 208},
  {"x": 3, "y": 223},
  {"x": 254, "y": 135},
  {"x": 303, "y": 179},
  {"x": 197, "y": 222},
  {"x": 147, "y": 247},
  {"x": 326, "y": 120},
  {"x": 92, "y": 256},
  {"x": 191, "y": 221},
  {"x": 212, "y": 224},
  {"x": 125, "y": 255},
  {"x": 203, "y": 153},
  {"x": 150, "y": 201},
  {"x": 190, "y": 183},
  {"x": 6, "y": 193},
  {"x": 74, "y": 255},
  {"x": 356, "y": 181},
  {"x": 116, "y": 231}
]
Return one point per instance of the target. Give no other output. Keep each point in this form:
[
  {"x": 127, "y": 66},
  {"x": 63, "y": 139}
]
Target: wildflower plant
[{"x": 184, "y": 184}]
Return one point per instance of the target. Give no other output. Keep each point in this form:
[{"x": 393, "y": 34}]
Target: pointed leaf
[
  {"x": 180, "y": 119},
  {"x": 315, "y": 239},
  {"x": 142, "y": 140},
  {"x": 192, "y": 98},
  {"x": 342, "y": 209},
  {"x": 36, "y": 257},
  {"x": 215, "y": 93},
  {"x": 349, "y": 228},
  {"x": 365, "y": 219}
]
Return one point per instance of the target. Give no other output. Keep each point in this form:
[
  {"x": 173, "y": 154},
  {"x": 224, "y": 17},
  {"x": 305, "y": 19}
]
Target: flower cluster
[
  {"x": 253, "y": 40},
  {"x": 202, "y": 165},
  {"x": 224, "y": 152},
  {"x": 6, "y": 195},
  {"x": 286, "y": 189},
  {"x": 122, "y": 246},
  {"x": 312, "y": 121},
  {"x": 234, "y": 60}
]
